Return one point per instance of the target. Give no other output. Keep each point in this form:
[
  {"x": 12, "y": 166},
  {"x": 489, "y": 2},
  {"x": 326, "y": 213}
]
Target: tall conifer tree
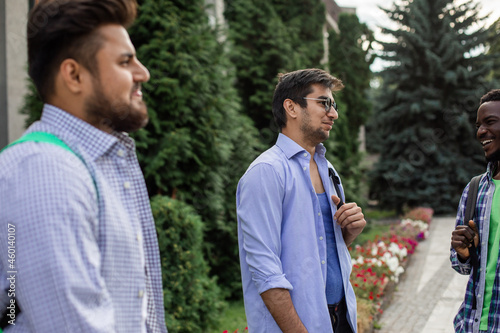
[
  {"x": 197, "y": 143},
  {"x": 427, "y": 109},
  {"x": 494, "y": 48},
  {"x": 350, "y": 58},
  {"x": 269, "y": 37}
]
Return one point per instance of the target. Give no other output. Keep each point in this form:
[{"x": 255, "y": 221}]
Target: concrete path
[{"x": 430, "y": 292}]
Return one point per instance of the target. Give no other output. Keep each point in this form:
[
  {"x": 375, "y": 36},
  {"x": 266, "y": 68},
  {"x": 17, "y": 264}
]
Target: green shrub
[{"x": 193, "y": 300}]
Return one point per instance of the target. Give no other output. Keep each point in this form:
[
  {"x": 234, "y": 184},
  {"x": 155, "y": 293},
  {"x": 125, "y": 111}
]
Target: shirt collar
[
  {"x": 292, "y": 148},
  {"x": 78, "y": 133},
  {"x": 490, "y": 170}
]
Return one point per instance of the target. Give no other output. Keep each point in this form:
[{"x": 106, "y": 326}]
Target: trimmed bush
[{"x": 193, "y": 300}]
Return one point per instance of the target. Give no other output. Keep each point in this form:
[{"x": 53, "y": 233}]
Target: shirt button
[
  {"x": 320, "y": 237},
  {"x": 141, "y": 293},
  {"x": 479, "y": 296},
  {"x": 305, "y": 168},
  {"x": 120, "y": 153},
  {"x": 305, "y": 154},
  {"x": 319, "y": 214},
  {"x": 139, "y": 238},
  {"x": 126, "y": 184},
  {"x": 323, "y": 262}
]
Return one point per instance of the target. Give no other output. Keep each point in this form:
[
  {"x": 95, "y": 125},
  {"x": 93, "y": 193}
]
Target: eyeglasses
[{"x": 327, "y": 103}]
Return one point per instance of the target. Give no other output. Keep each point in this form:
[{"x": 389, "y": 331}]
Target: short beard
[{"x": 120, "y": 117}]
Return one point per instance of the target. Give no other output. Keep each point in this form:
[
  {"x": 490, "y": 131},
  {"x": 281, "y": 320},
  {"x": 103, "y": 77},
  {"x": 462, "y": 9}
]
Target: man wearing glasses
[{"x": 292, "y": 240}]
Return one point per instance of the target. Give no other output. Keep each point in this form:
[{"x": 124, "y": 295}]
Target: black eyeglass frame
[{"x": 327, "y": 102}]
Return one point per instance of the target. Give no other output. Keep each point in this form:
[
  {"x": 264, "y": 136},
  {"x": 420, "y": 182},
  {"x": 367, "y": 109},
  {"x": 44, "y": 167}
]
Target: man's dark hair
[
  {"x": 491, "y": 96},
  {"x": 298, "y": 84},
  {"x": 62, "y": 29}
]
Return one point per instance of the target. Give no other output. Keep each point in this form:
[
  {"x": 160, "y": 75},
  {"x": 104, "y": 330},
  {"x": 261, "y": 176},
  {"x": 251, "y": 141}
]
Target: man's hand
[
  {"x": 461, "y": 239},
  {"x": 350, "y": 218}
]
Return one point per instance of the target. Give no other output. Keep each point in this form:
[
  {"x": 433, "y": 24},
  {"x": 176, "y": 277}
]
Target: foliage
[
  {"x": 197, "y": 143},
  {"x": 33, "y": 104},
  {"x": 366, "y": 312},
  {"x": 371, "y": 213},
  {"x": 192, "y": 299},
  {"x": 269, "y": 37},
  {"x": 371, "y": 231},
  {"x": 350, "y": 60},
  {"x": 420, "y": 214},
  {"x": 427, "y": 106},
  {"x": 237, "y": 330},
  {"x": 494, "y": 47},
  {"x": 233, "y": 318}
]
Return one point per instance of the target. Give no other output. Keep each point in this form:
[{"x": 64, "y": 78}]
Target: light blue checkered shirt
[{"x": 85, "y": 260}]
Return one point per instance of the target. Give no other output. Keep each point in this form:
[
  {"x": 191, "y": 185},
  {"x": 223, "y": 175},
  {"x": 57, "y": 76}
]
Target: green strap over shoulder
[
  {"x": 52, "y": 139},
  {"x": 41, "y": 137}
]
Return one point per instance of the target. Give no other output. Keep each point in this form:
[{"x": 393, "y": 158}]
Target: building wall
[
  {"x": 13, "y": 63},
  {"x": 3, "y": 79}
]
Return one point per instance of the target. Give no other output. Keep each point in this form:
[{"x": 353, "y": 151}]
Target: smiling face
[
  {"x": 315, "y": 122},
  {"x": 115, "y": 101},
  {"x": 488, "y": 129}
]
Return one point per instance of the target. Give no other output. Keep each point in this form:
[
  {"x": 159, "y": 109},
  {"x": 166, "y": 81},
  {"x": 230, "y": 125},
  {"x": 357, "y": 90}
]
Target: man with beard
[
  {"x": 485, "y": 315},
  {"x": 293, "y": 242},
  {"x": 79, "y": 251}
]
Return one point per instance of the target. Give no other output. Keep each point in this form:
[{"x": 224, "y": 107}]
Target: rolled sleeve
[
  {"x": 259, "y": 207},
  {"x": 461, "y": 267}
]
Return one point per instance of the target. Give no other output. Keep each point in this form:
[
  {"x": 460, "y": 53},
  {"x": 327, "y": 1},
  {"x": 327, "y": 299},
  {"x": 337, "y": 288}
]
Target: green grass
[
  {"x": 374, "y": 229},
  {"x": 233, "y": 318},
  {"x": 375, "y": 214},
  {"x": 370, "y": 232}
]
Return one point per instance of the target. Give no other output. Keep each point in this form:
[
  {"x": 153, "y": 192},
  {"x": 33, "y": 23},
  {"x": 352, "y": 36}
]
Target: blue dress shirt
[
  {"x": 86, "y": 260},
  {"x": 282, "y": 239}
]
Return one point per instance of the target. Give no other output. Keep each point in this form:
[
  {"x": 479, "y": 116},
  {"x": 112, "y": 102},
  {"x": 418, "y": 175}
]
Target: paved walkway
[{"x": 430, "y": 292}]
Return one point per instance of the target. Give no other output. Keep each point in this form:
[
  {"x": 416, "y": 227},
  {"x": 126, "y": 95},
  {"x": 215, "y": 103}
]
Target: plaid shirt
[
  {"x": 468, "y": 320},
  {"x": 86, "y": 256}
]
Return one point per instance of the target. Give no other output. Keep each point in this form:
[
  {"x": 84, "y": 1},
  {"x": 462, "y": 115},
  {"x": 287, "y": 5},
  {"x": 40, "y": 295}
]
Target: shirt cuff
[
  {"x": 461, "y": 267},
  {"x": 272, "y": 282}
]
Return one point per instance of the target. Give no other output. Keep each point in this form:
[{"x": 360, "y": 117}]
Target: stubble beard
[{"x": 313, "y": 136}]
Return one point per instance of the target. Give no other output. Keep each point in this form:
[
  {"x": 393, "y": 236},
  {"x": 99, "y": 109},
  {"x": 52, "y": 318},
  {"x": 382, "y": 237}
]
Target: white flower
[
  {"x": 404, "y": 253},
  {"x": 393, "y": 264}
]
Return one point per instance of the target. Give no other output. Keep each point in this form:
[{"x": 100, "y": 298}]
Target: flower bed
[{"x": 378, "y": 264}]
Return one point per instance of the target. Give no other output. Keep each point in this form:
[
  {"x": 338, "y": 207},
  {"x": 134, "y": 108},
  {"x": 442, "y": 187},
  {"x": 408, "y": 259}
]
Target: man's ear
[
  {"x": 291, "y": 108},
  {"x": 72, "y": 75}
]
